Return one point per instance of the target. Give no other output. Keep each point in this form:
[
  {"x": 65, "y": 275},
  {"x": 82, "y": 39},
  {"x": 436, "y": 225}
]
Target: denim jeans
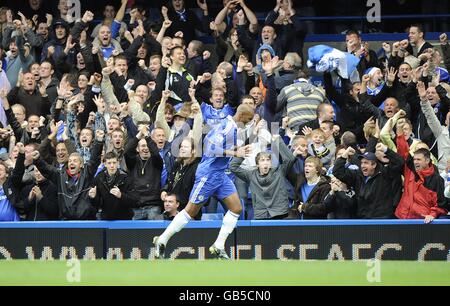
[{"x": 148, "y": 213}]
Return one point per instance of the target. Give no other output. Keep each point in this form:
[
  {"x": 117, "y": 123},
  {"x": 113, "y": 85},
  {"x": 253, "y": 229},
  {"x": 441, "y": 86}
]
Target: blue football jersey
[
  {"x": 223, "y": 136},
  {"x": 212, "y": 116}
]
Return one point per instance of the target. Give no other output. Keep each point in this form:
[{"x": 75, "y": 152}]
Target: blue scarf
[{"x": 375, "y": 91}]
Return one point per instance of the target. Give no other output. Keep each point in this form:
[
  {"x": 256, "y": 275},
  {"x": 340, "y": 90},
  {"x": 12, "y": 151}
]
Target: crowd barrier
[{"x": 252, "y": 240}]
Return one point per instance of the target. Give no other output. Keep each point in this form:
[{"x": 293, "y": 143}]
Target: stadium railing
[
  {"x": 210, "y": 223},
  {"x": 252, "y": 240}
]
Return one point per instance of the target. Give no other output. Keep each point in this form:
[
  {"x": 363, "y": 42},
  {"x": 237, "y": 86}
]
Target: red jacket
[{"x": 423, "y": 193}]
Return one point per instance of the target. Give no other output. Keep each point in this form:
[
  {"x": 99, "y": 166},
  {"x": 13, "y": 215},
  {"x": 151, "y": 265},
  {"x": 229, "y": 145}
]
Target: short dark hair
[
  {"x": 426, "y": 153},
  {"x": 88, "y": 129},
  {"x": 172, "y": 50},
  {"x": 120, "y": 57},
  {"x": 155, "y": 27},
  {"x": 348, "y": 86},
  {"x": 111, "y": 155},
  {"x": 34, "y": 145},
  {"x": 72, "y": 79},
  {"x": 247, "y": 97},
  {"x": 86, "y": 73},
  {"x": 419, "y": 27},
  {"x": 338, "y": 148},
  {"x": 170, "y": 194},
  {"x": 139, "y": 8},
  {"x": 197, "y": 46},
  {"x": 329, "y": 123},
  {"x": 47, "y": 62},
  {"x": 12, "y": 40},
  {"x": 31, "y": 65},
  {"x": 352, "y": 32}
]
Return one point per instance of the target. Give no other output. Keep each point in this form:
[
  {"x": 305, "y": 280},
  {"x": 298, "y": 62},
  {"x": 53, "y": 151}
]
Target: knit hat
[
  {"x": 265, "y": 47},
  {"x": 371, "y": 71}
]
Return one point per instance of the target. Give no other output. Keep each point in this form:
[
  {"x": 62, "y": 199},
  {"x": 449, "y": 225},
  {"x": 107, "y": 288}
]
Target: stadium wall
[{"x": 252, "y": 240}]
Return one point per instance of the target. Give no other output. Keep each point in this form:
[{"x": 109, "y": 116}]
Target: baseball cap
[
  {"x": 369, "y": 156},
  {"x": 181, "y": 113},
  {"x": 60, "y": 22}
]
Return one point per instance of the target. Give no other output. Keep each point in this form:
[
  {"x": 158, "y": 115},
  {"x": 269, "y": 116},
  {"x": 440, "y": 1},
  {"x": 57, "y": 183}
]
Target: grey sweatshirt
[{"x": 269, "y": 192}]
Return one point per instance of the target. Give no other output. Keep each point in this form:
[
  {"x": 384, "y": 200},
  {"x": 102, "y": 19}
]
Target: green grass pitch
[{"x": 224, "y": 273}]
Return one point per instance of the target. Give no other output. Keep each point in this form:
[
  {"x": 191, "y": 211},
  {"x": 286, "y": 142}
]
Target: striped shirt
[{"x": 301, "y": 100}]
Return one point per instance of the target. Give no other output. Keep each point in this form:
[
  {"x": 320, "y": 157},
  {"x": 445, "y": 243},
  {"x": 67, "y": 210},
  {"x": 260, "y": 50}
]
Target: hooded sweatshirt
[{"x": 301, "y": 100}]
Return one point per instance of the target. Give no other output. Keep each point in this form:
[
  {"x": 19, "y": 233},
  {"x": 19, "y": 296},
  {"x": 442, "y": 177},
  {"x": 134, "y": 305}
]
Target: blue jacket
[{"x": 13, "y": 65}]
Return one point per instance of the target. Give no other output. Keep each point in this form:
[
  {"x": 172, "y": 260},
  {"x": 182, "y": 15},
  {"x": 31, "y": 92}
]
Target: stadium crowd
[{"x": 110, "y": 120}]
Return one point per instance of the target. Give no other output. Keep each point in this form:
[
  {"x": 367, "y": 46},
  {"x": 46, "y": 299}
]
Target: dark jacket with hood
[
  {"x": 374, "y": 201},
  {"x": 59, "y": 49}
]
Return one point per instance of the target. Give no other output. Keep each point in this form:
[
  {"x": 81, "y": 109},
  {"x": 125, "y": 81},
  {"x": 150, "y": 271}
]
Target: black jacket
[
  {"x": 189, "y": 26},
  {"x": 177, "y": 83},
  {"x": 110, "y": 207},
  {"x": 341, "y": 205},
  {"x": 181, "y": 181},
  {"x": 146, "y": 175},
  {"x": 313, "y": 206},
  {"x": 13, "y": 184},
  {"x": 21, "y": 134},
  {"x": 364, "y": 64},
  {"x": 422, "y": 50},
  {"x": 118, "y": 82},
  {"x": 34, "y": 103},
  {"x": 313, "y": 124},
  {"x": 47, "y": 208},
  {"x": 375, "y": 199},
  {"x": 73, "y": 199},
  {"x": 352, "y": 114}
]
